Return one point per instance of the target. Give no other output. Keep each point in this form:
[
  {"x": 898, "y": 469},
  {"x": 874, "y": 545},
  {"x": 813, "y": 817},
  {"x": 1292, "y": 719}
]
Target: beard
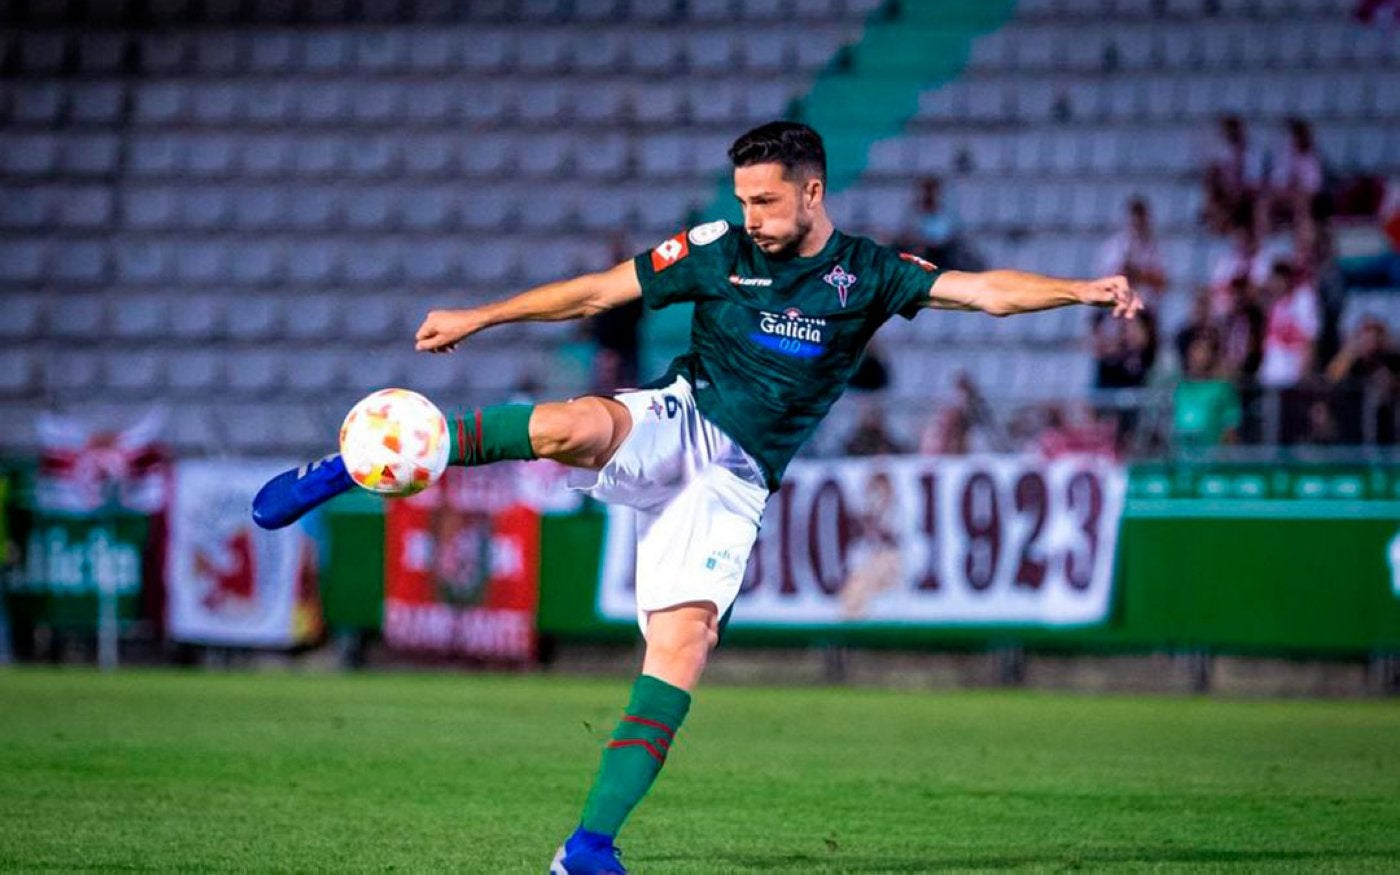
[{"x": 784, "y": 248}]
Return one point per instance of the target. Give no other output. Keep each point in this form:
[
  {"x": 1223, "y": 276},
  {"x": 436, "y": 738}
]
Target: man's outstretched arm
[
  {"x": 586, "y": 295},
  {"x": 1007, "y": 292}
]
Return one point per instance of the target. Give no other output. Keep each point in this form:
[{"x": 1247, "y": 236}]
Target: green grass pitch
[{"x": 193, "y": 772}]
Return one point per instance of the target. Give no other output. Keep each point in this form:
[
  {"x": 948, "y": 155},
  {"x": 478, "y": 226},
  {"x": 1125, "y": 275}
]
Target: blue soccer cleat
[
  {"x": 587, "y": 853},
  {"x": 287, "y": 497}
]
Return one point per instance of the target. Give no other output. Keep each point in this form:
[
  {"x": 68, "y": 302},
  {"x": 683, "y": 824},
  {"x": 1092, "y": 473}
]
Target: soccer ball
[{"x": 394, "y": 442}]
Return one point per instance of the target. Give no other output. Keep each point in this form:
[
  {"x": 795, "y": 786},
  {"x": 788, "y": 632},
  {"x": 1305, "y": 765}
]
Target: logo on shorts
[
  {"x": 669, "y": 408},
  {"x": 722, "y": 557},
  {"x": 840, "y": 281},
  {"x": 790, "y": 333}
]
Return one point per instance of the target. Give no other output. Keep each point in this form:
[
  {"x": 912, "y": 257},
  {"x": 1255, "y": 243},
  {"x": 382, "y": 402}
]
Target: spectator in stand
[
  {"x": 1368, "y": 357},
  {"x": 1372, "y": 11},
  {"x": 1242, "y": 332},
  {"x": 935, "y": 230},
  {"x": 1206, "y": 407},
  {"x": 1133, "y": 252},
  {"x": 1233, "y": 178},
  {"x": 617, "y": 332},
  {"x": 1291, "y": 329},
  {"x": 871, "y": 436},
  {"x": 965, "y": 426},
  {"x": 1367, "y": 372},
  {"x": 1125, "y": 354},
  {"x": 1295, "y": 185},
  {"x": 1086, "y": 431},
  {"x": 1198, "y": 325}
]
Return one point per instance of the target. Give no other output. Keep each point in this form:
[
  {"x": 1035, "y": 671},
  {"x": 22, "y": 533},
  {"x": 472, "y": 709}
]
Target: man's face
[{"x": 777, "y": 210}]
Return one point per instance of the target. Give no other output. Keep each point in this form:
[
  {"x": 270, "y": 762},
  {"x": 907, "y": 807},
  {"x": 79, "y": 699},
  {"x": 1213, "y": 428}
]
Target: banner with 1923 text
[{"x": 918, "y": 540}]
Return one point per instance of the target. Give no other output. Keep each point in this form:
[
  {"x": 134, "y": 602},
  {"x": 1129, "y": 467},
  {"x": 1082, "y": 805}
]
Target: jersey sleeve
[
  {"x": 908, "y": 282},
  {"x": 678, "y": 268}
]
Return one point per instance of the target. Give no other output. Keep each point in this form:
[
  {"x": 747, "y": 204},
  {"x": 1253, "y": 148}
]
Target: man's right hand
[{"x": 442, "y": 330}]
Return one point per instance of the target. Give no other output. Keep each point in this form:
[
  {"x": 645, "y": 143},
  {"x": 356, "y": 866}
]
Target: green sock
[
  {"x": 498, "y": 433},
  {"x": 634, "y": 756}
]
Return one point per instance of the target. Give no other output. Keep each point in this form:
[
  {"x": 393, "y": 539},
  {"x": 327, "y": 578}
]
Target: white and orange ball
[{"x": 395, "y": 442}]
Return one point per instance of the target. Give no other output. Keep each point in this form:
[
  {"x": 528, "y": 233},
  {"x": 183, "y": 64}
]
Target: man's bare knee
[
  {"x": 583, "y": 432},
  {"x": 679, "y": 641}
]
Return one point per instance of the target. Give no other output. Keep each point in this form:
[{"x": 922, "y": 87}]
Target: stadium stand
[{"x": 263, "y": 207}]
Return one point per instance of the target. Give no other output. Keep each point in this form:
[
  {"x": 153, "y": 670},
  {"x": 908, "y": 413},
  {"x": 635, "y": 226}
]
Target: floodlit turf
[{"x": 146, "y": 770}]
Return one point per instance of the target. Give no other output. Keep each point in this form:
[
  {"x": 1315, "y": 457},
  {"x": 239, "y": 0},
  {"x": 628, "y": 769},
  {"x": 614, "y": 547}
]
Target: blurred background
[{"x": 221, "y": 220}]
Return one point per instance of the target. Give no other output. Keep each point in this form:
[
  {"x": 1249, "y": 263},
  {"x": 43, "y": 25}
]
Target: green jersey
[{"x": 773, "y": 342}]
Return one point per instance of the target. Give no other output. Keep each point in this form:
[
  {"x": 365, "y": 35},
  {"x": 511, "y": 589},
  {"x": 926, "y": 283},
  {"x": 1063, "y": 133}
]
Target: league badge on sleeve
[
  {"x": 704, "y": 235},
  {"x": 671, "y": 250}
]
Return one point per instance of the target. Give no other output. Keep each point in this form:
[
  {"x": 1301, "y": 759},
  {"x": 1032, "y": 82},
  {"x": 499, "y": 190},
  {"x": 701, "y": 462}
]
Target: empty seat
[
  {"x": 22, "y": 260},
  {"x": 83, "y": 262},
  {"x": 255, "y": 371},
  {"x": 134, "y": 371},
  {"x": 315, "y": 317},
  {"x": 81, "y": 317},
  {"x": 199, "y": 317},
  {"x": 19, "y": 372}
]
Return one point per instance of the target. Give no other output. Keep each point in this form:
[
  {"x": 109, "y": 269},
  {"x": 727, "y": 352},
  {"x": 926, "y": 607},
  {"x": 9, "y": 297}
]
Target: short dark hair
[{"x": 792, "y": 144}]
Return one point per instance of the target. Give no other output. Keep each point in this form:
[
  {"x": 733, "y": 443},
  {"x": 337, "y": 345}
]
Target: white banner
[
  {"x": 918, "y": 540},
  {"x": 229, "y": 582}
]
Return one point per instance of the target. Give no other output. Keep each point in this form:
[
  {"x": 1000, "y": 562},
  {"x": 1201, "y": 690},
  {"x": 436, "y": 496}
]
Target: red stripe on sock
[
  {"x": 462, "y": 436},
  {"x": 628, "y": 718},
  {"x": 480, "y": 448},
  {"x": 638, "y": 742}
]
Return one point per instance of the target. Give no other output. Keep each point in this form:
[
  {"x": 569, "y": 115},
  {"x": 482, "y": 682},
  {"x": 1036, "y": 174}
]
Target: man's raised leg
[
  {"x": 584, "y": 433},
  {"x": 679, "y": 641}
]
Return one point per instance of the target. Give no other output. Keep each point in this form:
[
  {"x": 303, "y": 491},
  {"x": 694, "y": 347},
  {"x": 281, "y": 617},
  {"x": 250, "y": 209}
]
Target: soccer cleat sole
[{"x": 290, "y": 495}]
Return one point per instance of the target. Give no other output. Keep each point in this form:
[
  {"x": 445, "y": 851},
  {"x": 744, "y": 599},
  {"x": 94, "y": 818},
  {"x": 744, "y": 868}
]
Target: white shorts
[{"x": 698, "y": 498}]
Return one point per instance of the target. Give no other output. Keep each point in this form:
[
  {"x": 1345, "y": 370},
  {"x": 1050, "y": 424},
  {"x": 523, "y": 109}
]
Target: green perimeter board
[
  {"x": 1259, "y": 575},
  {"x": 352, "y": 587}
]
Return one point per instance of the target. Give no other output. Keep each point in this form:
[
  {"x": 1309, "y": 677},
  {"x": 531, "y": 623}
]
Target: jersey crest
[{"x": 840, "y": 280}]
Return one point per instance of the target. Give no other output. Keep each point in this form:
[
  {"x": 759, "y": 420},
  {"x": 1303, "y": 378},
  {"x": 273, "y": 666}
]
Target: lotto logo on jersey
[
  {"x": 921, "y": 262},
  {"x": 671, "y": 250}
]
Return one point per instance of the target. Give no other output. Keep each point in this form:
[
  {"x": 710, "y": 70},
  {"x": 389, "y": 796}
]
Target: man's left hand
[{"x": 1111, "y": 291}]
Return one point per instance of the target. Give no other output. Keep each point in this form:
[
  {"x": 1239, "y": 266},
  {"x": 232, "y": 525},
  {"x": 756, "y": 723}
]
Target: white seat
[
  {"x": 216, "y": 103},
  {"x": 84, "y": 207},
  {"x": 72, "y": 370},
  {"x": 159, "y": 103},
  {"x": 19, "y": 372},
  {"x": 377, "y": 102},
  {"x": 317, "y": 262},
  {"x": 430, "y": 154},
  {"x": 546, "y": 52},
  {"x": 78, "y": 262},
  {"x": 23, "y": 315},
  {"x": 485, "y": 51},
  {"x": 134, "y": 371},
  {"x": 142, "y": 262},
  {"x": 427, "y": 209},
  {"x": 654, "y": 52},
  {"x": 88, "y": 154},
  {"x": 313, "y": 316},
  {"x": 101, "y": 52},
  {"x": 434, "y": 262},
  {"x": 314, "y": 371},
  {"x": 709, "y": 51},
  {"x": 380, "y": 50},
  {"x": 23, "y": 260},
  {"x": 78, "y": 316},
  {"x": 373, "y": 263},
  {"x": 209, "y": 156},
  {"x": 430, "y": 50},
  {"x": 95, "y": 103}
]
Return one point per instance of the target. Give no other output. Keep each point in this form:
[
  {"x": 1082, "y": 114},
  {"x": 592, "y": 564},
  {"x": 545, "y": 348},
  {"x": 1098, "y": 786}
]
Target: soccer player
[{"x": 783, "y": 308}]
